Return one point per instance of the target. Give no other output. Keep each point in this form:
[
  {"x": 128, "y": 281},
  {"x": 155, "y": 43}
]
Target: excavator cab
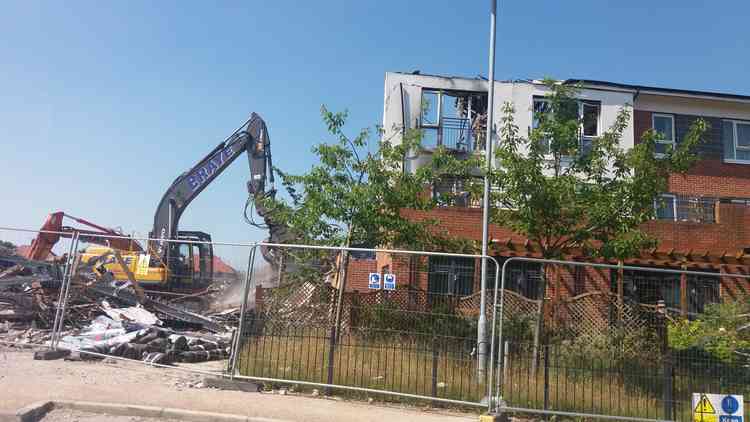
[{"x": 191, "y": 264}]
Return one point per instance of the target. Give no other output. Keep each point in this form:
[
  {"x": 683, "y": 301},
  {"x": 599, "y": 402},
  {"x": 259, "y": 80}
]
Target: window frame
[
  {"x": 666, "y": 196},
  {"x": 598, "y": 105},
  {"x": 581, "y": 104},
  {"x": 735, "y": 160},
  {"x": 673, "y": 142},
  {"x": 541, "y": 99}
]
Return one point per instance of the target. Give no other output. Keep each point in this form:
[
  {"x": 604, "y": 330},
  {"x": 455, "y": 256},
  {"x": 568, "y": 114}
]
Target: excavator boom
[
  {"x": 53, "y": 229},
  {"x": 252, "y": 138}
]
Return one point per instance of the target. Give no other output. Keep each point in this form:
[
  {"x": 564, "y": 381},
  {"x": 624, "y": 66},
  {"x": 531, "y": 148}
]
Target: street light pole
[{"x": 482, "y": 323}]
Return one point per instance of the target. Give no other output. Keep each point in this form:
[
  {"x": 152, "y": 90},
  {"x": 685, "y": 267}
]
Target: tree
[
  {"x": 592, "y": 198},
  {"x": 563, "y": 194},
  {"x": 357, "y": 192}
]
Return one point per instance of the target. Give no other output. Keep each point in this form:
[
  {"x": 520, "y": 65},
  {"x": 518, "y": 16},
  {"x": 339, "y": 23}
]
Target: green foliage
[
  {"x": 518, "y": 328},
  {"x": 593, "y": 198},
  {"x": 717, "y": 332},
  {"x": 357, "y": 192},
  {"x": 386, "y": 320}
]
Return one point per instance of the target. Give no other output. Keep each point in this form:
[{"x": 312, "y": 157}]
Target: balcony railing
[
  {"x": 686, "y": 208},
  {"x": 453, "y": 133}
]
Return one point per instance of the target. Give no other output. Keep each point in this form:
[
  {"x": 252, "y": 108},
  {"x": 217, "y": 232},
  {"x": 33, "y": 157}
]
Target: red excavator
[{"x": 53, "y": 229}]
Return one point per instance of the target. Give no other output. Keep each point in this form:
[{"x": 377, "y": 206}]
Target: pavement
[{"x": 24, "y": 381}]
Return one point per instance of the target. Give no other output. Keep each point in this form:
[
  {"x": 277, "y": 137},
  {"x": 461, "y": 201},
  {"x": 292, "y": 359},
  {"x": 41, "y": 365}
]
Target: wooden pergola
[{"x": 695, "y": 260}]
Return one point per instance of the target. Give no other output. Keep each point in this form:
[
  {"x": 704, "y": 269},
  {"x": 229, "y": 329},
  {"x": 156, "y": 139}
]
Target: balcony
[{"x": 454, "y": 134}]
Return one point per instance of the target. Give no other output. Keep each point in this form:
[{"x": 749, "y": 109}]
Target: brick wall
[{"x": 710, "y": 176}]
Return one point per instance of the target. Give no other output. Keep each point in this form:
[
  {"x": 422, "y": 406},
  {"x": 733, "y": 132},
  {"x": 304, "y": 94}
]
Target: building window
[
  {"x": 451, "y": 275},
  {"x": 590, "y": 118},
  {"x": 735, "y": 136},
  {"x": 649, "y": 288},
  {"x": 455, "y": 120},
  {"x": 663, "y": 124},
  {"x": 541, "y": 107},
  {"x": 589, "y": 113},
  {"x": 685, "y": 208},
  {"x": 524, "y": 278},
  {"x": 665, "y": 206}
]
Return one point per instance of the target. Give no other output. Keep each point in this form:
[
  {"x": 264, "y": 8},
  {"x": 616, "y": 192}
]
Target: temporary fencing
[
  {"x": 592, "y": 340},
  {"x": 369, "y": 321},
  {"x": 567, "y": 338}
]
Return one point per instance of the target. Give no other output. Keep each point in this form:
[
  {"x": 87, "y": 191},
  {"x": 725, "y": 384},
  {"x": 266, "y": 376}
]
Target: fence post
[
  {"x": 59, "y": 322},
  {"x": 546, "y": 376},
  {"x": 506, "y": 356},
  {"x": 331, "y": 350},
  {"x": 667, "y": 384},
  {"x": 435, "y": 354},
  {"x": 237, "y": 340}
]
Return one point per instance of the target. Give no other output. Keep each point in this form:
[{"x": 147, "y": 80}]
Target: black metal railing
[
  {"x": 404, "y": 341},
  {"x": 594, "y": 380},
  {"x": 452, "y": 133}
]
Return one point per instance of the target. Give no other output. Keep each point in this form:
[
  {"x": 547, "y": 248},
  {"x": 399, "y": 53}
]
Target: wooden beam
[{"x": 683, "y": 294}]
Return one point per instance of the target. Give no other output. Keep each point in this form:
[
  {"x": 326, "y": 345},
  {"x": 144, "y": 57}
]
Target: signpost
[
  {"x": 389, "y": 282},
  {"x": 373, "y": 281},
  {"x": 717, "y": 408}
]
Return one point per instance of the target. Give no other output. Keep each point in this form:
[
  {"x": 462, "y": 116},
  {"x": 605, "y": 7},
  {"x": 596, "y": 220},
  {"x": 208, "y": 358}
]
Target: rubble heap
[{"x": 102, "y": 318}]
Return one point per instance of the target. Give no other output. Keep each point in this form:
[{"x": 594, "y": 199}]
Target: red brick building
[{"x": 702, "y": 221}]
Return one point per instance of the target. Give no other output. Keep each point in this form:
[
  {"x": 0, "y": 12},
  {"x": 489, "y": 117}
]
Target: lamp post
[{"x": 482, "y": 323}]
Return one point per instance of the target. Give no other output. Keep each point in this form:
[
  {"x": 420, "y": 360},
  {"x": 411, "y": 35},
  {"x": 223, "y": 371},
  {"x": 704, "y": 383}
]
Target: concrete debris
[
  {"x": 152, "y": 344},
  {"x": 104, "y": 319}
]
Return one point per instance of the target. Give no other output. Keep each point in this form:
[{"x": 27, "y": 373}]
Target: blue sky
[{"x": 102, "y": 104}]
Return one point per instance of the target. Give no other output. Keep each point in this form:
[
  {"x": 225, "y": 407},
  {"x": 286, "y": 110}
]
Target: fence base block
[
  {"x": 232, "y": 385},
  {"x": 51, "y": 354},
  {"x": 502, "y": 417}
]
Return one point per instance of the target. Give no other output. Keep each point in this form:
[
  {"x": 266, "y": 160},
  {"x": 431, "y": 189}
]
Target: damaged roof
[{"x": 592, "y": 83}]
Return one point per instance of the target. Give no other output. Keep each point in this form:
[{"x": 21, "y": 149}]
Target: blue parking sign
[
  {"x": 373, "y": 281},
  {"x": 389, "y": 282}
]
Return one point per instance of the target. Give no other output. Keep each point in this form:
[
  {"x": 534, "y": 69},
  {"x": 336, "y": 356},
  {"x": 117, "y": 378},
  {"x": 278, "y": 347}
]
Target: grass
[
  {"x": 395, "y": 365},
  {"x": 405, "y": 365}
]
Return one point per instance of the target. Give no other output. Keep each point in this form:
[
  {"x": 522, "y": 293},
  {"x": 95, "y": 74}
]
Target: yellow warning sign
[{"x": 704, "y": 411}]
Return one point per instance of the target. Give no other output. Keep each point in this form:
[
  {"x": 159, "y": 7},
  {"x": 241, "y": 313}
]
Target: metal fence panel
[
  {"x": 592, "y": 339},
  {"x": 397, "y": 323}
]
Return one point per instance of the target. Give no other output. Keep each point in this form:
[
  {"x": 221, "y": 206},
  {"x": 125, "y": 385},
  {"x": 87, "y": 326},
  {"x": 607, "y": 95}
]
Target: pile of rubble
[
  {"x": 143, "y": 338},
  {"x": 102, "y": 318}
]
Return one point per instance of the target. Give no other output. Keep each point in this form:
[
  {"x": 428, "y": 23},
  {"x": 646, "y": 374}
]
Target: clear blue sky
[{"x": 102, "y": 104}]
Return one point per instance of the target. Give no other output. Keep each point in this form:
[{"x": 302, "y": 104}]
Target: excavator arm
[
  {"x": 252, "y": 139},
  {"x": 53, "y": 229}
]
